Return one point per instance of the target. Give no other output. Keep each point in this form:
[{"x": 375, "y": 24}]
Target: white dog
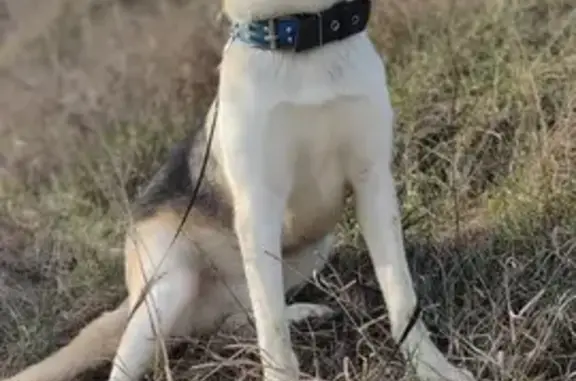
[{"x": 303, "y": 113}]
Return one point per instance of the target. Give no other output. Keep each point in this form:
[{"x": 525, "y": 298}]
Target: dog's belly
[
  {"x": 317, "y": 197},
  {"x": 313, "y": 211}
]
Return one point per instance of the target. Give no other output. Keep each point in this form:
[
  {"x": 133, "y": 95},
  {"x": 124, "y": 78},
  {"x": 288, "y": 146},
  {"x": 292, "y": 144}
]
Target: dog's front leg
[
  {"x": 258, "y": 226},
  {"x": 378, "y": 215},
  {"x": 255, "y": 164},
  {"x": 369, "y": 169}
]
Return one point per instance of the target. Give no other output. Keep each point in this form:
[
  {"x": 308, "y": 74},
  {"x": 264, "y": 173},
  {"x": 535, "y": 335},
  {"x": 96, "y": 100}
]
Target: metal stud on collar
[{"x": 335, "y": 25}]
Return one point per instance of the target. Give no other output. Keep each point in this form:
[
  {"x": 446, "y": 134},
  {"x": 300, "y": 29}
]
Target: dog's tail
[{"x": 93, "y": 346}]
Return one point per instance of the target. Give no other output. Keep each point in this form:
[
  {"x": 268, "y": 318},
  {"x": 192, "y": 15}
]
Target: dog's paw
[
  {"x": 429, "y": 363},
  {"x": 298, "y": 312}
]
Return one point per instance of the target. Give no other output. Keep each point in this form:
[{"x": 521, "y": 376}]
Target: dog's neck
[{"x": 248, "y": 10}]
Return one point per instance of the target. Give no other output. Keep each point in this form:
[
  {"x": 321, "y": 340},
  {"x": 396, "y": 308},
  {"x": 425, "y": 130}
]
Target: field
[{"x": 93, "y": 93}]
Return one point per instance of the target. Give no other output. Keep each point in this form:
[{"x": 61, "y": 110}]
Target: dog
[{"x": 302, "y": 115}]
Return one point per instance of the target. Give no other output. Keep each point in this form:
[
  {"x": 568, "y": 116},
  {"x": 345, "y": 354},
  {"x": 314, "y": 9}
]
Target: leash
[
  {"x": 411, "y": 323},
  {"x": 202, "y": 173}
]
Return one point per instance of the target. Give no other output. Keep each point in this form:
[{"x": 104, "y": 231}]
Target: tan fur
[
  {"x": 93, "y": 346},
  {"x": 214, "y": 253}
]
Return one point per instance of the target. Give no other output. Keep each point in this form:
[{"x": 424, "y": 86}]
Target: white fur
[{"x": 292, "y": 130}]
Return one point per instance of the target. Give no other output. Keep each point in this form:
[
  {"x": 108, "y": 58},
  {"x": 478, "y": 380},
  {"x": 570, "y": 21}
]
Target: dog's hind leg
[
  {"x": 162, "y": 283},
  {"x": 92, "y": 347},
  {"x": 378, "y": 215}
]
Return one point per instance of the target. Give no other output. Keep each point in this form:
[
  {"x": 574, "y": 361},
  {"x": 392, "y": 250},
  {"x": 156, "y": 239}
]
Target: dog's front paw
[{"x": 301, "y": 311}]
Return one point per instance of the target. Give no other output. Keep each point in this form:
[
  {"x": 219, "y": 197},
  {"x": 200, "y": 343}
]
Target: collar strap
[{"x": 305, "y": 31}]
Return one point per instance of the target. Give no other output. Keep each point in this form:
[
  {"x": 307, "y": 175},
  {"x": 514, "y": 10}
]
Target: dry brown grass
[{"x": 485, "y": 97}]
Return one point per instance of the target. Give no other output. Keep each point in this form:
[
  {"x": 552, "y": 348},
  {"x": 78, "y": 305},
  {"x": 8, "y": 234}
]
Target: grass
[{"x": 485, "y": 96}]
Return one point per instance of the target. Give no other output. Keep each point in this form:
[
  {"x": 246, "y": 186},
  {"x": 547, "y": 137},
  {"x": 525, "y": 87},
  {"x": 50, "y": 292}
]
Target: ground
[{"x": 92, "y": 96}]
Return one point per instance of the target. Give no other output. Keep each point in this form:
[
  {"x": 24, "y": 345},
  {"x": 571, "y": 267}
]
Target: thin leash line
[
  {"x": 202, "y": 173},
  {"x": 411, "y": 323},
  {"x": 193, "y": 198},
  {"x": 189, "y": 207}
]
